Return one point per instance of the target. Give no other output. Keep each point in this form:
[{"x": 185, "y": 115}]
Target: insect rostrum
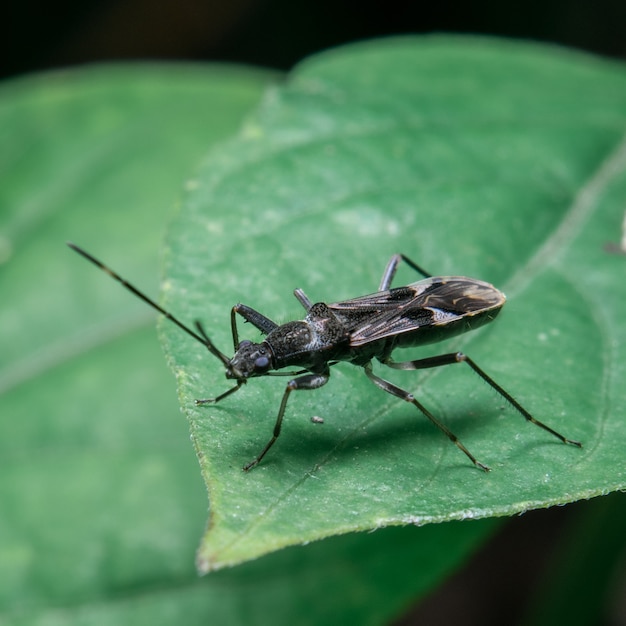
[{"x": 356, "y": 331}]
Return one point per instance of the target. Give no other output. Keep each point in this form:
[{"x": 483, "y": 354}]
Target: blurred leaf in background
[{"x": 99, "y": 489}]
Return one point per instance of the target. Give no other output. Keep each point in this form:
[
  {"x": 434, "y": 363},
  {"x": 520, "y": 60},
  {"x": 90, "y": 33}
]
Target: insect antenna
[
  {"x": 201, "y": 338},
  {"x": 210, "y": 346}
]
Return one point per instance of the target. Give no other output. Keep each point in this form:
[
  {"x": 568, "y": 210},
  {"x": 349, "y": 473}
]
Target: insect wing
[{"x": 436, "y": 301}]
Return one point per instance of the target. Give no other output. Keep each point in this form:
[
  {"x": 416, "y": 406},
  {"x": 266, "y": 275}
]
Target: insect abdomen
[{"x": 445, "y": 325}]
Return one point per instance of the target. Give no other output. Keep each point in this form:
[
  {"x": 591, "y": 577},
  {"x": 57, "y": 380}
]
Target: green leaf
[{"x": 501, "y": 161}]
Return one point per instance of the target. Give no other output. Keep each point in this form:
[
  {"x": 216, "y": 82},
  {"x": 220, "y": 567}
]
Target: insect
[{"x": 357, "y": 331}]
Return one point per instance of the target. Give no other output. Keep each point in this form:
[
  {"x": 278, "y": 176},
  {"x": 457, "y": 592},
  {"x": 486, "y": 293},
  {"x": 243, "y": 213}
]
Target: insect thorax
[{"x": 311, "y": 342}]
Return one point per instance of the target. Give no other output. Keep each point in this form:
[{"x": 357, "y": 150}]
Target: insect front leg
[
  {"x": 213, "y": 350},
  {"x": 392, "y": 266},
  {"x": 310, "y": 381},
  {"x": 264, "y": 324},
  {"x": 460, "y": 357},
  {"x": 222, "y": 395},
  {"x": 385, "y": 385}
]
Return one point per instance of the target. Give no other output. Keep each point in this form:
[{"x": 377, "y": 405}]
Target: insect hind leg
[
  {"x": 392, "y": 267},
  {"x": 460, "y": 357},
  {"x": 394, "y": 390}
]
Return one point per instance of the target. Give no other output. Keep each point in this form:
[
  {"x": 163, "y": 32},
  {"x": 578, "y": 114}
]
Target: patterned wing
[{"x": 434, "y": 301}]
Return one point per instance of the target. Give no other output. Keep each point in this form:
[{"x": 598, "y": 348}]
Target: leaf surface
[{"x": 500, "y": 161}]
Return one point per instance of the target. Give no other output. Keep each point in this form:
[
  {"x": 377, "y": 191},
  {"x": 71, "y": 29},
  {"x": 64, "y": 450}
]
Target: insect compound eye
[{"x": 261, "y": 364}]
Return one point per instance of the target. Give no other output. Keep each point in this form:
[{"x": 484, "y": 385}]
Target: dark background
[
  {"x": 40, "y": 34},
  {"x": 499, "y": 584}
]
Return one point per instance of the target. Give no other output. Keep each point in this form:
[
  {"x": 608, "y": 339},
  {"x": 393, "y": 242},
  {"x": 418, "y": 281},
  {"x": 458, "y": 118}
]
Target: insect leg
[
  {"x": 459, "y": 357},
  {"x": 310, "y": 381},
  {"x": 385, "y": 385},
  {"x": 302, "y": 298},
  {"x": 225, "y": 359},
  {"x": 222, "y": 395},
  {"x": 392, "y": 266},
  {"x": 264, "y": 324}
]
